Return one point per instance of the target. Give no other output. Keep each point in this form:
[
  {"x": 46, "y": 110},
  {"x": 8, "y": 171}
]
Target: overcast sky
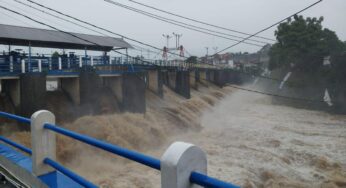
[{"x": 244, "y": 15}]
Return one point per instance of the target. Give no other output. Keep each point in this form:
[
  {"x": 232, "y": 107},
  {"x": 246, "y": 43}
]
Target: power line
[
  {"x": 270, "y": 26},
  {"x": 184, "y": 25},
  {"x": 197, "y": 21},
  {"x": 95, "y": 26},
  {"x": 58, "y": 17}
]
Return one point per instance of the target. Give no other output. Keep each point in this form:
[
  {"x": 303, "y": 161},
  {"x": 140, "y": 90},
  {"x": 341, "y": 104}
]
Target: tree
[
  {"x": 55, "y": 54},
  {"x": 302, "y": 44},
  {"x": 192, "y": 60}
]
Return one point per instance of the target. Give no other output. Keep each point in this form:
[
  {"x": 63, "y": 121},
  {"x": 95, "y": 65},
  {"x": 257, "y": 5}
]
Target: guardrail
[
  {"x": 16, "y": 64},
  {"x": 182, "y": 165}
]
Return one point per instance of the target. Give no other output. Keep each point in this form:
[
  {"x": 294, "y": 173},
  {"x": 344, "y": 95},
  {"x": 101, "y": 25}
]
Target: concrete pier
[
  {"x": 32, "y": 93},
  {"x": 194, "y": 76},
  {"x": 70, "y": 86},
  {"x": 11, "y": 87},
  {"x": 155, "y": 81},
  {"x": 133, "y": 90},
  {"x": 89, "y": 85},
  {"x": 183, "y": 83}
]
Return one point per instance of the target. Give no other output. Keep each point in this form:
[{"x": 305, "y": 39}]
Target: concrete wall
[
  {"x": 133, "y": 89},
  {"x": 193, "y": 79},
  {"x": 172, "y": 77},
  {"x": 220, "y": 77},
  {"x": 71, "y": 87},
  {"x": 115, "y": 85},
  {"x": 89, "y": 85},
  {"x": 183, "y": 83},
  {"x": 155, "y": 80},
  {"x": 12, "y": 89},
  {"x": 32, "y": 93}
]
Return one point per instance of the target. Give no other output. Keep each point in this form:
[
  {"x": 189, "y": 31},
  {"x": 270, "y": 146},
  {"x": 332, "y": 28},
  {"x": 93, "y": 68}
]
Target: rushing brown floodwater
[{"x": 248, "y": 141}]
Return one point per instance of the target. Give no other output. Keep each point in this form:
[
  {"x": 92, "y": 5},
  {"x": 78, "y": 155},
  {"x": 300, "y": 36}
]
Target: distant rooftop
[{"x": 21, "y": 36}]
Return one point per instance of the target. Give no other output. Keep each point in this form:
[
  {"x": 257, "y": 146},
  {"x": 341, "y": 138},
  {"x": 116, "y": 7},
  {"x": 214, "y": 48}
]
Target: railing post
[
  {"x": 50, "y": 63},
  {"x": 23, "y": 66},
  {"x": 60, "y": 65},
  {"x": 43, "y": 142},
  {"x": 110, "y": 60},
  {"x": 39, "y": 65},
  {"x": 11, "y": 63},
  {"x": 80, "y": 61},
  {"x": 178, "y": 162},
  {"x": 91, "y": 60}
]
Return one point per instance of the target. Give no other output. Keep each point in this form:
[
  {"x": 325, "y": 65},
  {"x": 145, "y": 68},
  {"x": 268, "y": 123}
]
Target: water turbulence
[
  {"x": 149, "y": 133},
  {"x": 248, "y": 140}
]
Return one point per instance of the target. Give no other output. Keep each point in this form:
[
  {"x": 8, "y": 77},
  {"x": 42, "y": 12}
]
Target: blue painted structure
[{"x": 66, "y": 178}]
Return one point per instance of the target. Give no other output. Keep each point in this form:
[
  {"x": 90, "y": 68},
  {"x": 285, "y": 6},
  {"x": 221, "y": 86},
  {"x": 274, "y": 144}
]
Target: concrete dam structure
[{"x": 82, "y": 79}]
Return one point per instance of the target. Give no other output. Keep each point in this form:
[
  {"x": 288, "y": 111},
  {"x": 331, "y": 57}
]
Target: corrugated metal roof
[{"x": 21, "y": 36}]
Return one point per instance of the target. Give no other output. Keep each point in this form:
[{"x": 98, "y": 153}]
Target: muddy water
[
  {"x": 248, "y": 141},
  {"x": 255, "y": 144}
]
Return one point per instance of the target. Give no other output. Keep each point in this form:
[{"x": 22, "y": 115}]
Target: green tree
[
  {"x": 302, "y": 44},
  {"x": 192, "y": 60},
  {"x": 55, "y": 54}
]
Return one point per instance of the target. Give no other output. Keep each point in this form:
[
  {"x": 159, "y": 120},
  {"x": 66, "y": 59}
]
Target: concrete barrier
[{"x": 32, "y": 92}]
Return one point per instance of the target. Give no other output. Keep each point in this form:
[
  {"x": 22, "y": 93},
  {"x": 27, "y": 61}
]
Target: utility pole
[
  {"x": 206, "y": 56},
  {"x": 167, "y": 38},
  {"x": 177, "y": 39}
]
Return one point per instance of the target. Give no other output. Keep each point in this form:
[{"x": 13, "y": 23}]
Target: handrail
[
  {"x": 206, "y": 181},
  {"x": 15, "y": 117},
  {"x": 195, "y": 177},
  {"x": 129, "y": 154},
  {"x": 69, "y": 173},
  {"x": 18, "y": 146}
]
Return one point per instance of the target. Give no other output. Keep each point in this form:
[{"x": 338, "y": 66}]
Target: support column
[
  {"x": 193, "y": 79},
  {"x": 156, "y": 82},
  {"x": 219, "y": 78},
  {"x": 89, "y": 85},
  {"x": 171, "y": 79},
  {"x": 115, "y": 85},
  {"x": 71, "y": 87},
  {"x": 133, "y": 89},
  {"x": 12, "y": 89},
  {"x": 182, "y": 86},
  {"x": 32, "y": 93}
]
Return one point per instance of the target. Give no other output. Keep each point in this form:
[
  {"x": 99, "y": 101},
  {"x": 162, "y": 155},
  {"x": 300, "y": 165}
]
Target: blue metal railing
[
  {"x": 195, "y": 177},
  {"x": 206, "y": 181},
  {"x": 15, "y": 117},
  {"x": 16, "y": 145},
  {"x": 69, "y": 173}
]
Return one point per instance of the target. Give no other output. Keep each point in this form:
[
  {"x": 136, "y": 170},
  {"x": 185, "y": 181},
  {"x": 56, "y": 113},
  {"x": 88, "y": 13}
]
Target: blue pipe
[
  {"x": 15, "y": 117},
  {"x": 209, "y": 182},
  {"x": 129, "y": 154},
  {"x": 18, "y": 146},
  {"x": 69, "y": 173}
]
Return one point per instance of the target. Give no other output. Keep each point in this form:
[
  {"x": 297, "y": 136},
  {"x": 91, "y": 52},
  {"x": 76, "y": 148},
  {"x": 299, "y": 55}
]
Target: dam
[{"x": 24, "y": 79}]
